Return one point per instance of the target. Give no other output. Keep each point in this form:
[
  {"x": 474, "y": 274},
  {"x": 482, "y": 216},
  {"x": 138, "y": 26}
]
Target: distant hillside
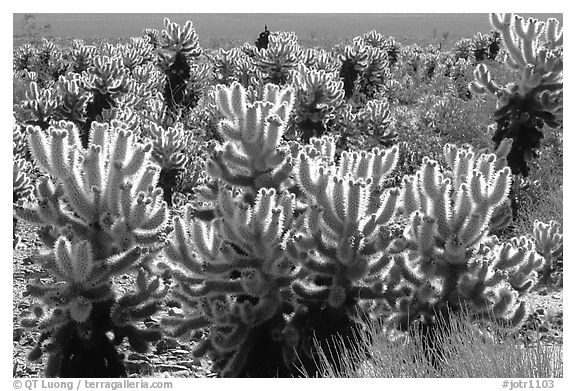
[{"x": 213, "y": 29}]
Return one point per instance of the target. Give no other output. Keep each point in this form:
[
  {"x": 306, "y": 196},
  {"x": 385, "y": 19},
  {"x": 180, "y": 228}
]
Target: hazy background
[{"x": 216, "y": 29}]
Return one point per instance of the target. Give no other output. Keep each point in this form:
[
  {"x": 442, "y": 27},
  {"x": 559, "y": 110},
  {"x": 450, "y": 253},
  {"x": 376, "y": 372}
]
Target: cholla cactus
[
  {"x": 463, "y": 48},
  {"x": 355, "y": 59},
  {"x": 225, "y": 65},
  {"x": 42, "y": 104},
  {"x": 549, "y": 244},
  {"x": 345, "y": 243},
  {"x": 480, "y": 47},
  {"x": 107, "y": 80},
  {"x": 321, "y": 60},
  {"x": 370, "y": 127},
  {"x": 82, "y": 56},
  {"x": 364, "y": 71},
  {"x": 279, "y": 60},
  {"x": 344, "y": 233},
  {"x": 251, "y": 157},
  {"x": 534, "y": 48},
  {"x": 236, "y": 270},
  {"x": 318, "y": 96},
  {"x": 100, "y": 212},
  {"x": 169, "y": 151},
  {"x": 22, "y": 190},
  {"x": 375, "y": 39},
  {"x": 447, "y": 265},
  {"x": 374, "y": 122},
  {"x": 23, "y": 57},
  {"x": 179, "y": 46},
  {"x": 73, "y": 98},
  {"x": 392, "y": 49},
  {"x": 152, "y": 35},
  {"x": 235, "y": 266},
  {"x": 48, "y": 63}
]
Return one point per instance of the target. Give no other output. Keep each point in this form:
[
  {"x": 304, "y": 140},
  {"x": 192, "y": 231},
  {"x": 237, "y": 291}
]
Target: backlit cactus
[
  {"x": 448, "y": 221},
  {"x": 107, "y": 81},
  {"x": 534, "y": 49},
  {"x": 549, "y": 244},
  {"x": 234, "y": 266},
  {"x": 42, "y": 104},
  {"x": 251, "y": 158},
  {"x": 99, "y": 213},
  {"x": 178, "y": 48},
  {"x": 279, "y": 60},
  {"x": 237, "y": 272},
  {"x": 169, "y": 152},
  {"x": 319, "y": 94}
]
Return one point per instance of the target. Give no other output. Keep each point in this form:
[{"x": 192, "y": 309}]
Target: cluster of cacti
[
  {"x": 534, "y": 49},
  {"x": 100, "y": 215},
  {"x": 46, "y": 61},
  {"x": 285, "y": 188}
]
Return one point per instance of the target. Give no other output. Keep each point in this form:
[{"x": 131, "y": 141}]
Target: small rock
[
  {"x": 170, "y": 368},
  {"x": 180, "y": 352},
  {"x": 175, "y": 311},
  {"x": 556, "y": 296},
  {"x": 190, "y": 364},
  {"x": 138, "y": 357},
  {"x": 543, "y": 291},
  {"x": 165, "y": 344},
  {"x": 139, "y": 366}
]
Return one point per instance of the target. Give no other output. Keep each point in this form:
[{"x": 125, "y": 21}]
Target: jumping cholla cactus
[
  {"x": 233, "y": 272},
  {"x": 22, "y": 190},
  {"x": 279, "y": 60},
  {"x": 318, "y": 96},
  {"x": 101, "y": 216},
  {"x": 364, "y": 71},
  {"x": 549, "y": 244},
  {"x": 169, "y": 151},
  {"x": 179, "y": 46},
  {"x": 371, "y": 126},
  {"x": 42, "y": 105},
  {"x": 463, "y": 48},
  {"x": 321, "y": 60},
  {"x": 73, "y": 98},
  {"x": 534, "y": 48},
  {"x": 345, "y": 243},
  {"x": 107, "y": 81},
  {"x": 451, "y": 264},
  {"x": 81, "y": 56},
  {"x": 251, "y": 159}
]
